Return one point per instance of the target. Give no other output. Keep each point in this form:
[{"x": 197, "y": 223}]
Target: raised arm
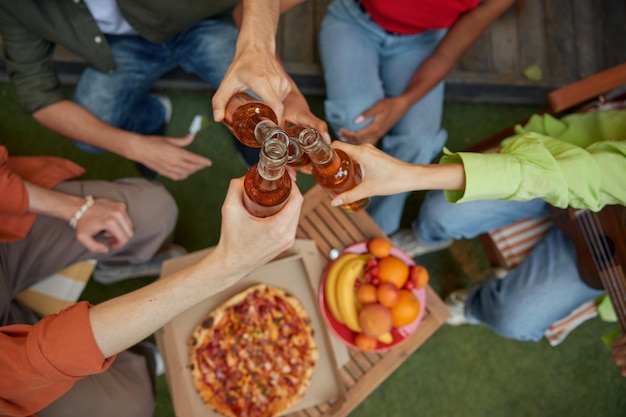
[{"x": 256, "y": 66}]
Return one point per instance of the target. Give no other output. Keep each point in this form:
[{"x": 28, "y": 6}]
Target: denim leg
[
  {"x": 206, "y": 49},
  {"x": 545, "y": 288},
  {"x": 364, "y": 64},
  {"x": 440, "y": 220},
  {"x": 121, "y": 98}
]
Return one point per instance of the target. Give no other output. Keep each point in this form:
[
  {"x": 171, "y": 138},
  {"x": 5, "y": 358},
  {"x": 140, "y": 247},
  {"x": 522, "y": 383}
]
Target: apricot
[
  {"x": 387, "y": 294},
  {"x": 366, "y": 294},
  {"x": 375, "y": 320},
  {"x": 418, "y": 276},
  {"x": 365, "y": 343},
  {"x": 379, "y": 247}
]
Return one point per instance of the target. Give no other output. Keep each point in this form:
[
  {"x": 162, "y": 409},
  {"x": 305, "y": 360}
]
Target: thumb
[{"x": 345, "y": 198}]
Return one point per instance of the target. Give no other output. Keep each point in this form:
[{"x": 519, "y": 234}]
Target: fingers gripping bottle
[
  {"x": 253, "y": 122},
  {"x": 267, "y": 185},
  {"x": 333, "y": 169}
]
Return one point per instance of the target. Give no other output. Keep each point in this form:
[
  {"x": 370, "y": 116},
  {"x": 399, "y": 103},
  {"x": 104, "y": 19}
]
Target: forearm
[
  {"x": 52, "y": 203},
  {"x": 74, "y": 121},
  {"x": 460, "y": 37},
  {"x": 124, "y": 321},
  {"x": 259, "y": 23}
]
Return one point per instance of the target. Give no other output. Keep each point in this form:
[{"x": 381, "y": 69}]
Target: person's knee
[
  {"x": 514, "y": 323},
  {"x": 152, "y": 206}
]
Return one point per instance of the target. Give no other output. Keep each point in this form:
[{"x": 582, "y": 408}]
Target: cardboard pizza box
[{"x": 297, "y": 271}]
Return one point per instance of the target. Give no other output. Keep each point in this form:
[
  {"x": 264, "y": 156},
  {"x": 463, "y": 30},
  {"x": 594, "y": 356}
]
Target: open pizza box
[{"x": 297, "y": 271}]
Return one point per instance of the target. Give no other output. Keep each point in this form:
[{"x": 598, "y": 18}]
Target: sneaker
[
  {"x": 455, "y": 301},
  {"x": 167, "y": 105},
  {"x": 110, "y": 274},
  {"x": 406, "y": 240}
]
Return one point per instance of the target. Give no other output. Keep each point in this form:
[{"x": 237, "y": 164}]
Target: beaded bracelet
[{"x": 89, "y": 201}]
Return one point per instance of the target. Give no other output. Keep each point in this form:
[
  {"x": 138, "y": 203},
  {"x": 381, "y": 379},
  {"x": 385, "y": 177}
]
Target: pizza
[{"x": 254, "y": 355}]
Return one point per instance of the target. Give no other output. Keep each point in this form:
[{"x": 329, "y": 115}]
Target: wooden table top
[{"x": 332, "y": 227}]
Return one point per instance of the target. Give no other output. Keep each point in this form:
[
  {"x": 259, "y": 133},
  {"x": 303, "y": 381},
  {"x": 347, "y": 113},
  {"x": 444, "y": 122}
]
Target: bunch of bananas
[{"x": 339, "y": 288}]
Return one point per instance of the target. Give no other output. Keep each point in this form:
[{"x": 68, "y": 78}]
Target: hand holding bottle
[{"x": 386, "y": 175}]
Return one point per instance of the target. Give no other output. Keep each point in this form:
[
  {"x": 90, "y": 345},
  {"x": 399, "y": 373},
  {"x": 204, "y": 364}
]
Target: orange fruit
[
  {"x": 419, "y": 275},
  {"x": 366, "y": 294},
  {"x": 406, "y": 310},
  {"x": 379, "y": 247},
  {"x": 365, "y": 343},
  {"x": 387, "y": 294},
  {"x": 393, "y": 270}
]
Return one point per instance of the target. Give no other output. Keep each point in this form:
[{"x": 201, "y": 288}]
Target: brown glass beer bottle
[
  {"x": 253, "y": 122},
  {"x": 333, "y": 169},
  {"x": 297, "y": 158},
  {"x": 267, "y": 185}
]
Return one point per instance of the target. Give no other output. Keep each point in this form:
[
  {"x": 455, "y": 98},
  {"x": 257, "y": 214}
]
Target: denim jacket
[{"x": 30, "y": 29}]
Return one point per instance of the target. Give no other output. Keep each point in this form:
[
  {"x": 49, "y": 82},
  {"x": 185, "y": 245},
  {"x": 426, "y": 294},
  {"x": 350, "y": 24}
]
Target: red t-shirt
[{"x": 409, "y": 17}]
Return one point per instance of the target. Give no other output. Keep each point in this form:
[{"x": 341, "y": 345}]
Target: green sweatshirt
[
  {"x": 577, "y": 161},
  {"x": 30, "y": 29}
]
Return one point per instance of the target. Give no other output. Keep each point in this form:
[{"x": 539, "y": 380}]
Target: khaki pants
[{"x": 125, "y": 389}]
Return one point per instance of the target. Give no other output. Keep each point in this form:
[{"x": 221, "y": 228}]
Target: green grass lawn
[{"x": 460, "y": 371}]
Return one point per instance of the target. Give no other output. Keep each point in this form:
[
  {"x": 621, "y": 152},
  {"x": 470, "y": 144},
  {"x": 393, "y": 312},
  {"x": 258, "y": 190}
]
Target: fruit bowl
[{"x": 343, "y": 332}]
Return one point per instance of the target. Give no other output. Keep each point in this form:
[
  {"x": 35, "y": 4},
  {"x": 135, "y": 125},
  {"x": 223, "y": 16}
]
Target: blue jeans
[
  {"x": 364, "y": 64},
  {"x": 545, "y": 288},
  {"x": 121, "y": 98}
]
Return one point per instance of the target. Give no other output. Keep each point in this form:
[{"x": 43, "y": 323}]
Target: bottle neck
[
  {"x": 273, "y": 158},
  {"x": 312, "y": 143}
]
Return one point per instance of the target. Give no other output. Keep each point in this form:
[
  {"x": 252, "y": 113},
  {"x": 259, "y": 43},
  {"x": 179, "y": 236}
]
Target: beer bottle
[
  {"x": 253, "y": 122},
  {"x": 298, "y": 158},
  {"x": 267, "y": 185},
  {"x": 333, "y": 169}
]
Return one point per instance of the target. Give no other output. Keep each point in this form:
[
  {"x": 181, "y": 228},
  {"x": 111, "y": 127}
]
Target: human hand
[
  {"x": 248, "y": 242},
  {"x": 298, "y": 112},
  {"x": 384, "y": 114},
  {"x": 109, "y": 218},
  {"x": 166, "y": 156},
  {"x": 381, "y": 173},
  {"x": 257, "y": 70},
  {"x": 618, "y": 351}
]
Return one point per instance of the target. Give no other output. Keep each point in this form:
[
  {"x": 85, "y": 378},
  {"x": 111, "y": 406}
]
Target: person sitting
[
  {"x": 127, "y": 46},
  {"x": 49, "y": 220},
  {"x": 49, "y": 367},
  {"x": 384, "y": 64},
  {"x": 578, "y": 161}
]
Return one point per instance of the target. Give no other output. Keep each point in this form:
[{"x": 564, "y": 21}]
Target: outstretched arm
[
  {"x": 164, "y": 155},
  {"x": 246, "y": 243}
]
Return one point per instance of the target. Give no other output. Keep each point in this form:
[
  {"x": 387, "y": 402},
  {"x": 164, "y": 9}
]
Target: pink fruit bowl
[{"x": 346, "y": 335}]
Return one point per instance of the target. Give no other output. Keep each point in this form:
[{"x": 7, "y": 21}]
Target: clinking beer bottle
[
  {"x": 267, "y": 185},
  {"x": 253, "y": 122},
  {"x": 333, "y": 169},
  {"x": 302, "y": 160}
]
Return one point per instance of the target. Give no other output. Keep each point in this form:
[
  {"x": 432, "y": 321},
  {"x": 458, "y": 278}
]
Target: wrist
[{"x": 89, "y": 202}]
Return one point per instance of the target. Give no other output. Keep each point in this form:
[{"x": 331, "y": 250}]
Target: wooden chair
[{"x": 507, "y": 246}]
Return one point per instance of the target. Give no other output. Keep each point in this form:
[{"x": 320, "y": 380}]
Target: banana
[
  {"x": 385, "y": 338},
  {"x": 330, "y": 286},
  {"x": 346, "y": 297}
]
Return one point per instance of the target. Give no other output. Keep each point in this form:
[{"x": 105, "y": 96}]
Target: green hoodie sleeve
[{"x": 572, "y": 170}]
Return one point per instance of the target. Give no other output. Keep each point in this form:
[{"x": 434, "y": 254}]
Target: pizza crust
[{"x": 290, "y": 354}]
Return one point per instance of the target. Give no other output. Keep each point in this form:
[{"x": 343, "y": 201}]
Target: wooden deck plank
[
  {"x": 562, "y": 55},
  {"x": 505, "y": 43},
  {"x": 531, "y": 36}
]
